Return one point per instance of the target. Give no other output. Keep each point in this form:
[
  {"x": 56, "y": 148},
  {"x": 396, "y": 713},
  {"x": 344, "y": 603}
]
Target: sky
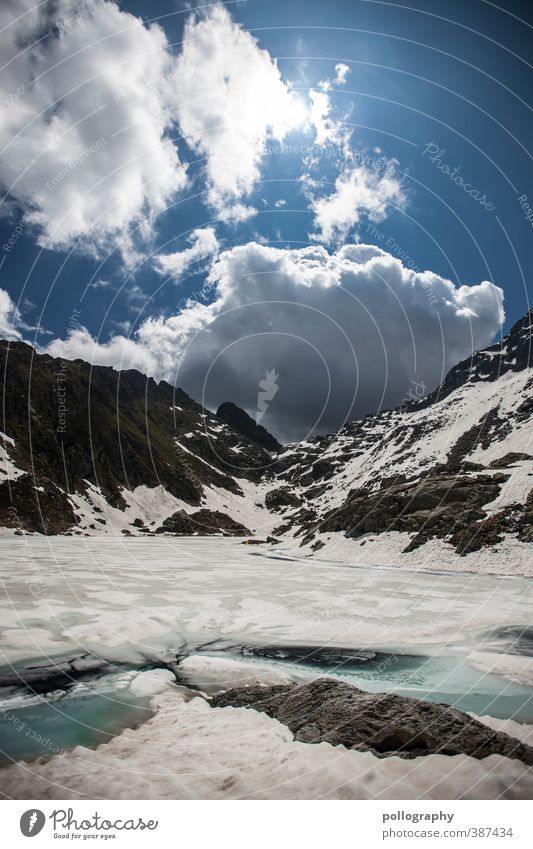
[{"x": 311, "y": 209}]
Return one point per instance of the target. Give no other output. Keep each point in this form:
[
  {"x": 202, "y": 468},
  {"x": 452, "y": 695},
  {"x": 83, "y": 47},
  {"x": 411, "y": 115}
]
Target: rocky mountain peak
[
  {"x": 513, "y": 353},
  {"x": 240, "y": 421}
]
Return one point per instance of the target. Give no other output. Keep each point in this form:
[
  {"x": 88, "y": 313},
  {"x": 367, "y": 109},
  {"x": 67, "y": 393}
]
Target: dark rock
[
  {"x": 44, "y": 508},
  {"x": 323, "y": 469},
  {"x": 316, "y": 491},
  {"x": 438, "y": 505},
  {"x": 178, "y": 523},
  {"x": 281, "y": 530},
  {"x": 514, "y": 353},
  {"x": 525, "y": 410},
  {"x": 282, "y": 497},
  {"x": 489, "y": 428},
  {"x": 307, "y": 539},
  {"x": 202, "y": 523},
  {"x": 213, "y": 521},
  {"x": 383, "y": 723},
  {"x": 509, "y": 459},
  {"x": 240, "y": 421},
  {"x": 513, "y": 519},
  {"x": 122, "y": 430}
]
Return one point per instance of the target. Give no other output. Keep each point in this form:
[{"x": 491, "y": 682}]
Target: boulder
[{"x": 386, "y": 724}]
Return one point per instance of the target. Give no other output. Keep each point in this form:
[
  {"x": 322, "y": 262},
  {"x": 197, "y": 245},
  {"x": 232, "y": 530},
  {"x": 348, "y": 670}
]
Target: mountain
[
  {"x": 92, "y": 449},
  {"x": 443, "y": 476},
  {"x": 451, "y": 467},
  {"x": 242, "y": 423}
]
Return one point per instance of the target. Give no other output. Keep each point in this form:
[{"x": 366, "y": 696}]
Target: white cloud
[
  {"x": 327, "y": 129},
  {"x": 359, "y": 190},
  {"x": 236, "y": 213},
  {"x": 342, "y": 72},
  {"x": 86, "y": 151},
  {"x": 203, "y": 243},
  {"x": 364, "y": 185},
  {"x": 230, "y": 101},
  {"x": 135, "y": 298},
  {"x": 89, "y": 109},
  {"x": 120, "y": 352},
  {"x": 10, "y": 318},
  {"x": 353, "y": 324}
]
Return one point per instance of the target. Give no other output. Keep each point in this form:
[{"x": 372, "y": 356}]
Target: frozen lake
[{"x": 114, "y": 608}]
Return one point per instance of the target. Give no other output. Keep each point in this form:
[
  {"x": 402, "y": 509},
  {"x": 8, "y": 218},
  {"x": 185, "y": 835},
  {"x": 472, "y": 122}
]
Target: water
[
  {"x": 449, "y": 679},
  {"x": 135, "y": 604},
  {"x": 87, "y": 715}
]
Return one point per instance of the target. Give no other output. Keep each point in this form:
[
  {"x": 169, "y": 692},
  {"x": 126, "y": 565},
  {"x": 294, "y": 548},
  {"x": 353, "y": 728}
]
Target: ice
[
  {"x": 184, "y": 603},
  {"x": 136, "y": 597},
  {"x": 151, "y": 682},
  {"x": 221, "y": 674}
]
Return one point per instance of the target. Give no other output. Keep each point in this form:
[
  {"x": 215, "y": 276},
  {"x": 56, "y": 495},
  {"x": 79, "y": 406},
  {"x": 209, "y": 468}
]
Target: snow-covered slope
[{"x": 460, "y": 456}]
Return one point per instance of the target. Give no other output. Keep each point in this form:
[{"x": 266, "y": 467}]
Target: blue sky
[{"x": 408, "y": 102}]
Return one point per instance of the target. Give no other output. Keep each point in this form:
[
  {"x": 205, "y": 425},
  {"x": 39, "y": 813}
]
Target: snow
[
  {"x": 516, "y": 668},
  {"x": 222, "y": 674},
  {"x": 516, "y": 489},
  {"x": 8, "y": 470},
  {"x": 508, "y": 558},
  {"x": 133, "y": 599},
  {"x": 248, "y": 508},
  {"x": 191, "y": 751},
  {"x": 151, "y": 504},
  {"x": 441, "y": 425},
  {"x": 154, "y": 504},
  {"x": 408, "y": 443},
  {"x": 151, "y": 682},
  {"x": 136, "y": 598},
  {"x": 524, "y": 733}
]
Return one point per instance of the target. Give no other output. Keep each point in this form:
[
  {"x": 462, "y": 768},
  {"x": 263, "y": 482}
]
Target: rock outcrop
[
  {"x": 203, "y": 523},
  {"x": 437, "y": 505},
  {"x": 327, "y": 710}
]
